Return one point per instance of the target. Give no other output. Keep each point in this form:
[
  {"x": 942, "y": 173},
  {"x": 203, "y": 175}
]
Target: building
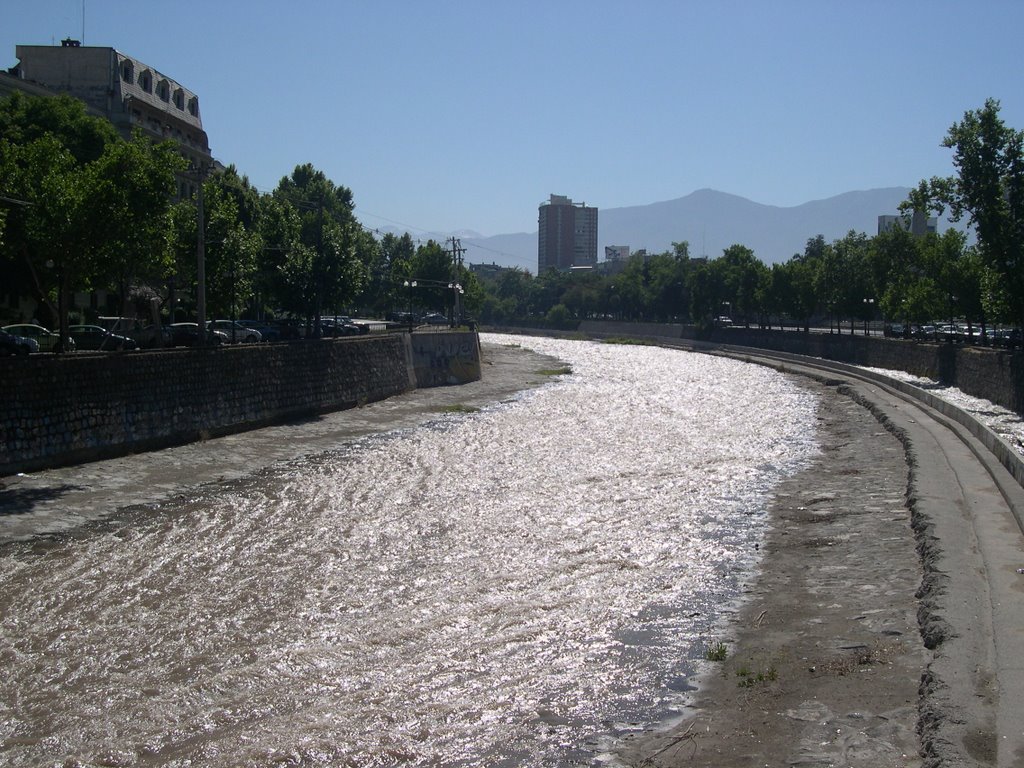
[
  {"x": 130, "y": 94},
  {"x": 919, "y": 223},
  {"x": 567, "y": 235},
  {"x": 489, "y": 272},
  {"x": 616, "y": 253}
]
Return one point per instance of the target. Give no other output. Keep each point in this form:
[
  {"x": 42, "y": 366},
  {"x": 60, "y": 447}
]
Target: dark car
[
  {"x": 16, "y": 345},
  {"x": 289, "y": 329},
  {"x": 187, "y": 335},
  {"x": 435, "y": 318},
  {"x": 96, "y": 338},
  {"x": 332, "y": 327}
]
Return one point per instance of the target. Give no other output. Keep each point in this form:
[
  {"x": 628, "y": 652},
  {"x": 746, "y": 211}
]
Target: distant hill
[{"x": 711, "y": 221}]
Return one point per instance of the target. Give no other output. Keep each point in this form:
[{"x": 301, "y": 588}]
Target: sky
[{"x": 453, "y": 115}]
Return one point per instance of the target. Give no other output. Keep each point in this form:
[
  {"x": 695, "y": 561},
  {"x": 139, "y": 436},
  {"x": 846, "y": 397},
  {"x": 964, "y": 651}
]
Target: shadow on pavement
[{"x": 20, "y": 501}]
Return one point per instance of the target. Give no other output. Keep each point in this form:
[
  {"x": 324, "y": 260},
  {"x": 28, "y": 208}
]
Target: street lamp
[
  {"x": 410, "y": 284},
  {"x": 868, "y": 309},
  {"x": 457, "y": 304},
  {"x": 62, "y": 310}
]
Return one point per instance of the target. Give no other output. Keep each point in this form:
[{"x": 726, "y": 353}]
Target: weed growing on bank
[{"x": 716, "y": 652}]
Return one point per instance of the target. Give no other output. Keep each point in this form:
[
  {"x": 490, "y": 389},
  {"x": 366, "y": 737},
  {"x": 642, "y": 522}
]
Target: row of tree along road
[{"x": 83, "y": 210}]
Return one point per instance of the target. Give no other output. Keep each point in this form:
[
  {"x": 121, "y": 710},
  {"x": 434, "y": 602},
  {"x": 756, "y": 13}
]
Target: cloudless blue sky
[{"x": 446, "y": 115}]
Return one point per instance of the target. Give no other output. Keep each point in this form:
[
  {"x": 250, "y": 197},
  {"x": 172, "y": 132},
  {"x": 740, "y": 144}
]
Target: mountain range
[{"x": 710, "y": 221}]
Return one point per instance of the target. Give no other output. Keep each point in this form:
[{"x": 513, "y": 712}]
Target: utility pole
[
  {"x": 200, "y": 258},
  {"x": 457, "y": 251}
]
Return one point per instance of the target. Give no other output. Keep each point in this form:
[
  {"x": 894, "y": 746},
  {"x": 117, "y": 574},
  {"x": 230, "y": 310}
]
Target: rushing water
[{"x": 509, "y": 587}]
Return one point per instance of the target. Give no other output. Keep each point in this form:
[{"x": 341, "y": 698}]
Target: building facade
[
  {"x": 566, "y": 235},
  {"x": 128, "y": 93},
  {"x": 918, "y": 224}
]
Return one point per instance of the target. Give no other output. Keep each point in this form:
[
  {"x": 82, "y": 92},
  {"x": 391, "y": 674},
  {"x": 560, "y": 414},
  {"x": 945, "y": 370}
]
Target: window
[
  {"x": 146, "y": 81},
  {"x": 163, "y": 90},
  {"x": 128, "y": 72},
  {"x": 193, "y": 106},
  {"x": 179, "y": 98}
]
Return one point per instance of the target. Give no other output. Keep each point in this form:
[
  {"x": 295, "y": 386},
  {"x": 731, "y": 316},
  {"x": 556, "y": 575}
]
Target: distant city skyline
[{"x": 448, "y": 116}]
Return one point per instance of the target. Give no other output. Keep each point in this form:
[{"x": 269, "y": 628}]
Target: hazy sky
[{"x": 444, "y": 115}]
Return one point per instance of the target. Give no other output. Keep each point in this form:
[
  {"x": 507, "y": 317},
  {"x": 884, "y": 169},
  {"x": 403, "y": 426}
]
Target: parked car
[
  {"x": 405, "y": 318},
  {"x": 267, "y": 331},
  {"x": 187, "y": 335},
  {"x": 435, "y": 318},
  {"x": 44, "y": 337},
  {"x": 289, "y": 329},
  {"x": 235, "y": 331},
  {"x": 1006, "y": 337},
  {"x": 16, "y": 345},
  {"x": 340, "y": 326},
  {"x": 145, "y": 336},
  {"x": 98, "y": 338}
]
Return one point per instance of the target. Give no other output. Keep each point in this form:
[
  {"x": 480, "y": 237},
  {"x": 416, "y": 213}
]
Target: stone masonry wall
[{"x": 81, "y": 407}]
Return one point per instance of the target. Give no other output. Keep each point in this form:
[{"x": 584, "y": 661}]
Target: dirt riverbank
[{"x": 824, "y": 658}]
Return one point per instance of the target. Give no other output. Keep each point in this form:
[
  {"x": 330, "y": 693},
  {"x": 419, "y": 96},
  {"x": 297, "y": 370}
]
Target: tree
[
  {"x": 895, "y": 265},
  {"x": 44, "y": 144},
  {"x": 128, "y": 201},
  {"x": 323, "y": 266},
  {"x": 743, "y": 274},
  {"x": 234, "y": 242},
  {"x": 988, "y": 188},
  {"x": 25, "y": 118}
]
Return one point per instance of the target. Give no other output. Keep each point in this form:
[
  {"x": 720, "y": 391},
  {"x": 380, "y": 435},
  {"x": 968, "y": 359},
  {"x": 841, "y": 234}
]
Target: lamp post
[
  {"x": 868, "y": 307},
  {"x": 457, "y": 292},
  {"x": 198, "y": 174},
  {"x": 62, "y": 311},
  {"x": 410, "y": 284}
]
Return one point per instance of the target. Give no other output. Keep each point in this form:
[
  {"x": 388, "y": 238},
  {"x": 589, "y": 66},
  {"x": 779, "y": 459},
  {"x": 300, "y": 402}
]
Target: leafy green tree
[
  {"x": 129, "y": 199},
  {"x": 390, "y": 264},
  {"x": 895, "y": 264},
  {"x": 514, "y": 289},
  {"x": 279, "y": 224},
  {"x": 666, "y": 284},
  {"x": 232, "y": 252},
  {"x": 25, "y": 118},
  {"x": 742, "y": 274},
  {"x": 708, "y": 293},
  {"x": 793, "y": 283},
  {"x": 987, "y": 189},
  {"x": 52, "y": 235},
  {"x": 43, "y": 139},
  {"x": 323, "y": 267}
]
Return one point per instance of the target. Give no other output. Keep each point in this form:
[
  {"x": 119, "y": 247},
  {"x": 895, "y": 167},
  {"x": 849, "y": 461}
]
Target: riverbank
[
  {"x": 823, "y": 658},
  {"x": 56, "y": 500}
]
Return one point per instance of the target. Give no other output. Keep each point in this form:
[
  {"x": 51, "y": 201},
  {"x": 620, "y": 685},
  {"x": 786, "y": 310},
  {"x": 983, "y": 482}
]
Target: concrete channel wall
[
  {"x": 67, "y": 409},
  {"x": 991, "y": 374}
]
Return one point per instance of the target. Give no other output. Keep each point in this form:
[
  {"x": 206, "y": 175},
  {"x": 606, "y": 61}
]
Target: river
[{"x": 521, "y": 585}]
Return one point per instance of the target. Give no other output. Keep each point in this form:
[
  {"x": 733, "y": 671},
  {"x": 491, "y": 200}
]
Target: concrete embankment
[{"x": 69, "y": 409}]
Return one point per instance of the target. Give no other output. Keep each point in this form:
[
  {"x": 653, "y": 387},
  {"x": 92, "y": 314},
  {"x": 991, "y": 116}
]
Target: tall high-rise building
[{"x": 567, "y": 234}]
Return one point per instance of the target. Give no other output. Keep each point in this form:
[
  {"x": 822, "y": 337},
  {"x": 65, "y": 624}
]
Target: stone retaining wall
[{"x": 69, "y": 409}]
